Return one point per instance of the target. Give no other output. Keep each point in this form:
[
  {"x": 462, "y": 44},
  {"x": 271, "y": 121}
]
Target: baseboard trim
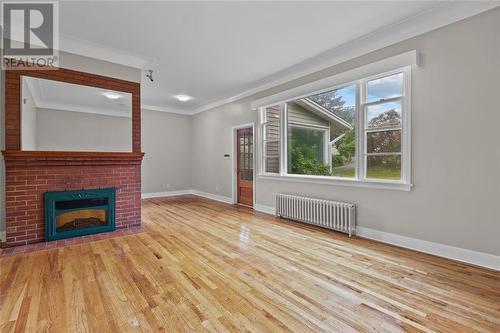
[
  {"x": 216, "y": 197},
  {"x": 441, "y": 250},
  {"x": 165, "y": 194},
  {"x": 265, "y": 209},
  {"x": 446, "y": 251},
  {"x": 207, "y": 195}
]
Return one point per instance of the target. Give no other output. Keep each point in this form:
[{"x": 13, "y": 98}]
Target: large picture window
[
  {"x": 321, "y": 139},
  {"x": 354, "y": 132}
]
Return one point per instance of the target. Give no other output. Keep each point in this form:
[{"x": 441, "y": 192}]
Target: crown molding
[
  {"x": 158, "y": 108},
  {"x": 40, "y": 103},
  {"x": 434, "y": 18},
  {"x": 79, "y": 108},
  {"x": 408, "y": 58},
  {"x": 86, "y": 48}
]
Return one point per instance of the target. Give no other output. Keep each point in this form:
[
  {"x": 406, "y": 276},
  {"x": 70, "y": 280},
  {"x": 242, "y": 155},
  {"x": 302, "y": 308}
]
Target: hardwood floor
[{"x": 207, "y": 266}]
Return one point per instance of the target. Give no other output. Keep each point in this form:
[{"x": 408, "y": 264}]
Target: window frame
[
  {"x": 360, "y": 179},
  {"x": 363, "y": 110}
]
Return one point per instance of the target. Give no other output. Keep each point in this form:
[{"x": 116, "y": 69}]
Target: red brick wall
[
  {"x": 26, "y": 184},
  {"x": 30, "y": 174}
]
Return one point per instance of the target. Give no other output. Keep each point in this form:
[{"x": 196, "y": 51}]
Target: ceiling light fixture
[
  {"x": 111, "y": 95},
  {"x": 183, "y": 98}
]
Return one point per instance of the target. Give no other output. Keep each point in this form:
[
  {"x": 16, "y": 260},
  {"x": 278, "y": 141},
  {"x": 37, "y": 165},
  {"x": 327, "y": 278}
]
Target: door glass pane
[
  {"x": 383, "y": 142},
  {"x": 384, "y": 167},
  {"x": 245, "y": 155},
  {"x": 386, "y": 87},
  {"x": 383, "y": 115}
]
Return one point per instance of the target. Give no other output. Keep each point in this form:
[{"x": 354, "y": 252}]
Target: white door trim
[{"x": 234, "y": 165}]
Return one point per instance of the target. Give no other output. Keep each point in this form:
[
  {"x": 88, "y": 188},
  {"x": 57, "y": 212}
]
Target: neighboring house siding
[
  {"x": 272, "y": 139},
  {"x": 299, "y": 115}
]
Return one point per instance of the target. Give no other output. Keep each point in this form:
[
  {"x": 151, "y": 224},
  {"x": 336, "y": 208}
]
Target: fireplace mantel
[{"x": 71, "y": 157}]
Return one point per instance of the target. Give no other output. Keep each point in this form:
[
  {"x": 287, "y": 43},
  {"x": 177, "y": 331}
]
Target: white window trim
[{"x": 404, "y": 61}]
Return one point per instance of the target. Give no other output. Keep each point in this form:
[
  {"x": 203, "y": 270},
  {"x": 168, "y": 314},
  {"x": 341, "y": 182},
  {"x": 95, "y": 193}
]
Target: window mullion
[
  {"x": 383, "y": 101},
  {"x": 360, "y": 133},
  {"x": 262, "y": 134},
  {"x": 406, "y": 128},
  {"x": 284, "y": 139}
]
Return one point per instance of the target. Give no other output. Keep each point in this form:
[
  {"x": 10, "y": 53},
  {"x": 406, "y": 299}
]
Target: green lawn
[{"x": 378, "y": 172}]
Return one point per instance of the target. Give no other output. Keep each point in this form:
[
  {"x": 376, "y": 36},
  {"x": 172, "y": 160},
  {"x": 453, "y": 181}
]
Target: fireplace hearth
[{"x": 78, "y": 213}]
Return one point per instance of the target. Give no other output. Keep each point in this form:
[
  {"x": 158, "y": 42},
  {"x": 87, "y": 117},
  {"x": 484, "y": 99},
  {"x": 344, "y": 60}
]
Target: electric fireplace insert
[{"x": 78, "y": 213}]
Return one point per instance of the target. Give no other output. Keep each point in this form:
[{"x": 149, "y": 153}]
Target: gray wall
[
  {"x": 211, "y": 139},
  {"x": 166, "y": 140},
  {"x": 58, "y": 130},
  {"x": 456, "y": 155}
]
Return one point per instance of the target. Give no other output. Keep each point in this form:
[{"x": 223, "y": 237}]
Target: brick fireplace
[{"x": 30, "y": 174}]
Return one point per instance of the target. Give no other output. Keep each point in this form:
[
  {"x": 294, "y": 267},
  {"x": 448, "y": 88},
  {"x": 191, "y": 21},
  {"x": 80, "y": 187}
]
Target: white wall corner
[{"x": 441, "y": 250}]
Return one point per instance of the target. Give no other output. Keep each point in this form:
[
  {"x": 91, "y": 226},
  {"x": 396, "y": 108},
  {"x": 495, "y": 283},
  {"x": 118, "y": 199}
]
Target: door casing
[{"x": 234, "y": 169}]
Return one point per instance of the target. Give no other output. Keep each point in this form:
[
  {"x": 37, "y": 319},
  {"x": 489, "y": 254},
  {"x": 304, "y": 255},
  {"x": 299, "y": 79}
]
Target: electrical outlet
[
  {"x": 216, "y": 188},
  {"x": 168, "y": 185}
]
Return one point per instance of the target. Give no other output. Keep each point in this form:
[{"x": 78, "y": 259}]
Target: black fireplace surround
[{"x": 77, "y": 213}]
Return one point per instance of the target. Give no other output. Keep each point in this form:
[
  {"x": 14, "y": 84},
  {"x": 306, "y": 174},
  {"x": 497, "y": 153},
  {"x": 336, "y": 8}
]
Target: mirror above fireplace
[{"x": 62, "y": 116}]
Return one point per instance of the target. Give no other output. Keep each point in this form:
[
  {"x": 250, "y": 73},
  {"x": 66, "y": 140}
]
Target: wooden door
[{"x": 244, "y": 167}]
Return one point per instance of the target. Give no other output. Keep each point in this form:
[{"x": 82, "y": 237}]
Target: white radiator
[{"x": 340, "y": 216}]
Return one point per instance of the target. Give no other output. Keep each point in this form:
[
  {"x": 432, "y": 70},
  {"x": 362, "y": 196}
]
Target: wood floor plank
[{"x": 202, "y": 265}]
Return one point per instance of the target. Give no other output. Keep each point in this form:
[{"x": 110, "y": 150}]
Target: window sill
[{"x": 340, "y": 182}]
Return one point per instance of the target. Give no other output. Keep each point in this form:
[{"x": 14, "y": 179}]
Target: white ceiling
[
  {"x": 55, "y": 95},
  {"x": 216, "y": 50}
]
